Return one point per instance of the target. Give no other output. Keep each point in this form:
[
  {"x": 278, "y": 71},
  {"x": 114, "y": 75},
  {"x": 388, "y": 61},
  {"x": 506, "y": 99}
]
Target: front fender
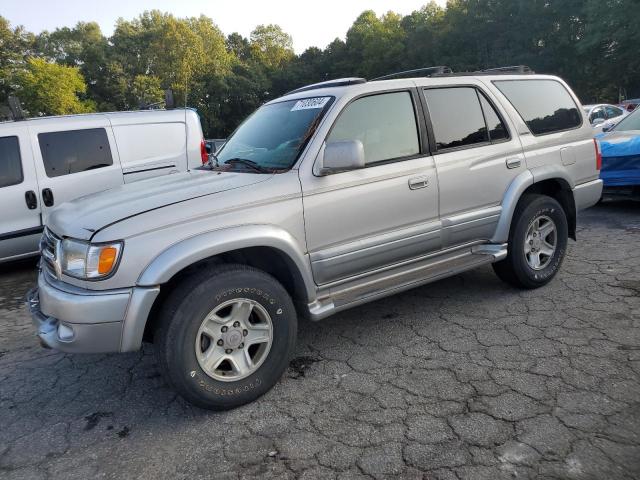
[{"x": 190, "y": 250}]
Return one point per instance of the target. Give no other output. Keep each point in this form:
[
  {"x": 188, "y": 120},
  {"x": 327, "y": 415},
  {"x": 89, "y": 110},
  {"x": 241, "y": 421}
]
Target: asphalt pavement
[{"x": 466, "y": 378}]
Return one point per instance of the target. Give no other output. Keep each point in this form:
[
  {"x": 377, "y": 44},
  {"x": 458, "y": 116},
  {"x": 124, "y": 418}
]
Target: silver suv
[{"x": 331, "y": 196}]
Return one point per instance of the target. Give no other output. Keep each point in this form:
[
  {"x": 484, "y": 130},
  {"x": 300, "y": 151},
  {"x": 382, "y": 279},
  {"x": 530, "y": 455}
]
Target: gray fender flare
[
  {"x": 190, "y": 250},
  {"x": 517, "y": 188}
]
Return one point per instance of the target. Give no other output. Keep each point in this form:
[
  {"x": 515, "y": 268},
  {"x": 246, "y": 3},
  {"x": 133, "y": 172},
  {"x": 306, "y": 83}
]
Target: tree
[
  {"x": 50, "y": 89},
  {"x": 15, "y": 46},
  {"x": 146, "y": 90},
  {"x": 271, "y": 46}
]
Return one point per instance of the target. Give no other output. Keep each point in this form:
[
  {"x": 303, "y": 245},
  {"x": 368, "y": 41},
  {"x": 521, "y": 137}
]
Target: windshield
[
  {"x": 631, "y": 122},
  {"x": 273, "y": 136}
]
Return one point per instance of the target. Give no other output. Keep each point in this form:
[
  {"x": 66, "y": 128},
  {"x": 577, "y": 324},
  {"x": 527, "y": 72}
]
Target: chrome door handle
[
  {"x": 514, "y": 162},
  {"x": 418, "y": 182}
]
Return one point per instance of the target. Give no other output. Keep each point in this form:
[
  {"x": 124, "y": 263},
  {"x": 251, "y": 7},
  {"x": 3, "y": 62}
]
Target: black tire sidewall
[
  {"x": 539, "y": 206},
  {"x": 183, "y": 368}
]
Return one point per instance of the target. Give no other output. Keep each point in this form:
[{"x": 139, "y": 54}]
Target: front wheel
[
  {"x": 537, "y": 243},
  {"x": 226, "y": 336}
]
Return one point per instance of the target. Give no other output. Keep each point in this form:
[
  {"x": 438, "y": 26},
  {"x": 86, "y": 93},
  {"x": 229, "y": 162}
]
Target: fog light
[{"x": 65, "y": 332}]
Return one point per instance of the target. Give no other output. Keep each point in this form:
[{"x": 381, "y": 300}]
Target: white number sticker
[{"x": 307, "y": 103}]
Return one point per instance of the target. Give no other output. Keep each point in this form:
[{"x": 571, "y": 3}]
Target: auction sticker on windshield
[{"x": 307, "y": 103}]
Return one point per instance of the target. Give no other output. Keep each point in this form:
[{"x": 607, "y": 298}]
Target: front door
[
  {"x": 20, "y": 224},
  {"x": 362, "y": 220}
]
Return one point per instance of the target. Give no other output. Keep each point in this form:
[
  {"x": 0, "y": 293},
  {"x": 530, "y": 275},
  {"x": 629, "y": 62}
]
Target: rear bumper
[
  {"x": 76, "y": 320},
  {"x": 587, "y": 194}
]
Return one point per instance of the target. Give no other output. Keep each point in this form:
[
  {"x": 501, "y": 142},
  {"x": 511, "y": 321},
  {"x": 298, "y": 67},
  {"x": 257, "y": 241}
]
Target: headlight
[{"x": 86, "y": 261}]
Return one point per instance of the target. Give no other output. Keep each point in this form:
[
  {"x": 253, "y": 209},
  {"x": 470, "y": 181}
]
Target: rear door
[
  {"x": 477, "y": 155},
  {"x": 20, "y": 224},
  {"x": 72, "y": 162}
]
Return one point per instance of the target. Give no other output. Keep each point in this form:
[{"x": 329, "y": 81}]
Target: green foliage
[
  {"x": 271, "y": 46},
  {"x": 51, "y": 89},
  {"x": 590, "y": 43}
]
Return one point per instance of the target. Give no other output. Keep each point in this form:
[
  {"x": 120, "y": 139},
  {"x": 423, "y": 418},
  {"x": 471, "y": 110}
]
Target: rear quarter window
[{"x": 545, "y": 105}]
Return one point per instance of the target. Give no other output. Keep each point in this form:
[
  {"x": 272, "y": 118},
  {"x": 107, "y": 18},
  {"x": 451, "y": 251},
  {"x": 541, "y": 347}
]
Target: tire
[
  {"x": 226, "y": 295},
  {"x": 519, "y": 267}
]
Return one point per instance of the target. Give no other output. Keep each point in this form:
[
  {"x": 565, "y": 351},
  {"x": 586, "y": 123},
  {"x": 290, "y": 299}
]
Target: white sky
[{"x": 314, "y": 23}]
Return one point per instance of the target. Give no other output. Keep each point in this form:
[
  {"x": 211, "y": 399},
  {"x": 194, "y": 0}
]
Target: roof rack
[
  {"x": 338, "y": 82},
  {"x": 428, "y": 71},
  {"x": 511, "y": 69}
]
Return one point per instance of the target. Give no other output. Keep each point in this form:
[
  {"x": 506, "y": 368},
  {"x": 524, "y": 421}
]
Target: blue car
[{"x": 620, "y": 148}]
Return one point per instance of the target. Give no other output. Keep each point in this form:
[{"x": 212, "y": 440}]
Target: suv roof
[{"x": 438, "y": 71}]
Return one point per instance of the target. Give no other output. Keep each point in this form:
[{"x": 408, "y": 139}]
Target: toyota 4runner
[{"x": 333, "y": 195}]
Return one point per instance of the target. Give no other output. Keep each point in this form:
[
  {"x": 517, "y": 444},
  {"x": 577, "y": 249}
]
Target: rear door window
[
  {"x": 545, "y": 105},
  {"x": 495, "y": 126},
  {"x": 10, "y": 162},
  {"x": 74, "y": 151},
  {"x": 613, "y": 112},
  {"x": 456, "y": 117}
]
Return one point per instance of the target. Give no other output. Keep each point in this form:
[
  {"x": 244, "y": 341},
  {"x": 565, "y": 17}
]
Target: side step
[{"x": 346, "y": 294}]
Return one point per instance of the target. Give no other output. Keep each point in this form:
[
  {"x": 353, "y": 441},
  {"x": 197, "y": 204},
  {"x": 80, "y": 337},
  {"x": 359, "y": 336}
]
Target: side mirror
[
  {"x": 606, "y": 128},
  {"x": 597, "y": 121},
  {"x": 342, "y": 156},
  {"x": 209, "y": 147}
]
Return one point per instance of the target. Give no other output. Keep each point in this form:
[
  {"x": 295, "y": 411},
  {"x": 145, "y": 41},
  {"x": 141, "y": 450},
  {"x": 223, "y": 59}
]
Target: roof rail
[
  {"x": 511, "y": 69},
  {"x": 338, "y": 82},
  {"x": 439, "y": 70}
]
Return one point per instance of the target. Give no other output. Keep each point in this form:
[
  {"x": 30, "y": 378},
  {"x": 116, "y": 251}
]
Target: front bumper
[
  {"x": 587, "y": 194},
  {"x": 77, "y": 320}
]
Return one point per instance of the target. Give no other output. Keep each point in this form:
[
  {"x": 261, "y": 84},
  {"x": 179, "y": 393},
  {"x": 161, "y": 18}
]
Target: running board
[{"x": 334, "y": 299}]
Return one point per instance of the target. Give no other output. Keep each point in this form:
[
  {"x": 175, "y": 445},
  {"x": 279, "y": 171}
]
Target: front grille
[{"x": 49, "y": 249}]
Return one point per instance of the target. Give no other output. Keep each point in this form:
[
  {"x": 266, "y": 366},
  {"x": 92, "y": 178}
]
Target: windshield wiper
[{"x": 249, "y": 163}]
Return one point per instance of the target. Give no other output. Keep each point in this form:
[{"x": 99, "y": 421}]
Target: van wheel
[
  {"x": 226, "y": 336},
  {"x": 537, "y": 243}
]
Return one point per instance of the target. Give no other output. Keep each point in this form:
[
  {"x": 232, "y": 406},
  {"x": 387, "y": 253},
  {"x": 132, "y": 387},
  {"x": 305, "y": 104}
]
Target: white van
[{"x": 47, "y": 161}]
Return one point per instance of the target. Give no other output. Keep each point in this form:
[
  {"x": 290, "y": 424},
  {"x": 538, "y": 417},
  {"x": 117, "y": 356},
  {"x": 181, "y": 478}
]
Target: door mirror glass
[{"x": 341, "y": 156}]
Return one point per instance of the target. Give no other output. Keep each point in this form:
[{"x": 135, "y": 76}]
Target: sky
[{"x": 315, "y": 23}]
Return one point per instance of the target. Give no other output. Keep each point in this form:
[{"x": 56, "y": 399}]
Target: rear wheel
[
  {"x": 537, "y": 243},
  {"x": 226, "y": 336}
]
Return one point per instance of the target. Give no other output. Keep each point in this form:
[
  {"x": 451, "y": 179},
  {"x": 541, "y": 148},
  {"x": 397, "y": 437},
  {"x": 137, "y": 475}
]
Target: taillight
[
  {"x": 204, "y": 156},
  {"x": 598, "y": 155}
]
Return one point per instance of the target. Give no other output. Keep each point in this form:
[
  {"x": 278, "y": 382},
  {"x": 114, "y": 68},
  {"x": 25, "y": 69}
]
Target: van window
[
  {"x": 74, "y": 151},
  {"x": 384, "y": 123},
  {"x": 10, "y": 162},
  {"x": 544, "y": 105},
  {"x": 456, "y": 117}
]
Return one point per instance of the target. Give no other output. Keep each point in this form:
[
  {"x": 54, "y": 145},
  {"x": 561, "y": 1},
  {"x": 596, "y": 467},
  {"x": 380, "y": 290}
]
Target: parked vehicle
[
  {"x": 215, "y": 144},
  {"x": 621, "y": 157},
  {"x": 331, "y": 196},
  {"x": 603, "y": 116},
  {"x": 47, "y": 161},
  {"x": 631, "y": 104}
]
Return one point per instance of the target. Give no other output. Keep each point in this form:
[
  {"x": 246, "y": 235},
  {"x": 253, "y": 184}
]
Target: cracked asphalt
[{"x": 465, "y": 378}]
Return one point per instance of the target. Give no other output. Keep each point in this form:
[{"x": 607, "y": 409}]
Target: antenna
[
  {"x": 439, "y": 70},
  {"x": 16, "y": 108}
]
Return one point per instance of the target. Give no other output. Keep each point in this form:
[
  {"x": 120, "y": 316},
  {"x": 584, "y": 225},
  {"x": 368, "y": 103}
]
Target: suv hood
[{"x": 83, "y": 217}]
